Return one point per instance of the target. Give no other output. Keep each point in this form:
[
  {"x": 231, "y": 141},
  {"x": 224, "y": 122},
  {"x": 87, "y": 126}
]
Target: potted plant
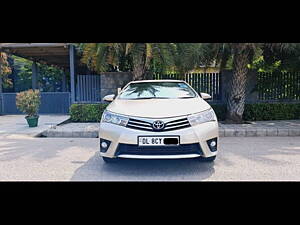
[{"x": 29, "y": 102}]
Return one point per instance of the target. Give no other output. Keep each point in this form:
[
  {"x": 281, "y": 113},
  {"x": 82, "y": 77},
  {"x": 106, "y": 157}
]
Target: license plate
[{"x": 158, "y": 140}]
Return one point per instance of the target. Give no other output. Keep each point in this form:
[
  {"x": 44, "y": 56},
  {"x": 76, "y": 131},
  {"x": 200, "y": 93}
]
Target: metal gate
[
  {"x": 88, "y": 88},
  {"x": 202, "y": 82},
  {"x": 51, "y": 103}
]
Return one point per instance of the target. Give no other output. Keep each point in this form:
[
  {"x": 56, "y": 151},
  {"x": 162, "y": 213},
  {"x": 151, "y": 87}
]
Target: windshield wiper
[
  {"x": 186, "y": 97},
  {"x": 150, "y": 98}
]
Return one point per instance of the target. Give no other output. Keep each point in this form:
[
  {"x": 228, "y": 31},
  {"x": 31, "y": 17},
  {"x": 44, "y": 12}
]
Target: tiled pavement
[
  {"x": 17, "y": 124},
  {"x": 261, "y": 128}
]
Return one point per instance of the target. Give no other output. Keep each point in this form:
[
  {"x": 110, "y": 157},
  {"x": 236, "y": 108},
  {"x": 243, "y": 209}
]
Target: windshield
[{"x": 145, "y": 90}]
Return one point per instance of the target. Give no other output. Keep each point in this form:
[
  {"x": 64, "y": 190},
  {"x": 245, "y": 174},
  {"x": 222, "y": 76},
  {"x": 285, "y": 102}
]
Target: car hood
[{"x": 158, "y": 108}]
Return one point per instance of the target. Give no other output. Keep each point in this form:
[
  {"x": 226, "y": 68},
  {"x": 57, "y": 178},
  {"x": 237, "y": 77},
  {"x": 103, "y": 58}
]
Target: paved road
[{"x": 240, "y": 159}]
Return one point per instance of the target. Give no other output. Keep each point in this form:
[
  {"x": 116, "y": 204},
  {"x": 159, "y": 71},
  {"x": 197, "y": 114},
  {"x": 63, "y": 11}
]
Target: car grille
[
  {"x": 147, "y": 126},
  {"x": 159, "y": 150}
]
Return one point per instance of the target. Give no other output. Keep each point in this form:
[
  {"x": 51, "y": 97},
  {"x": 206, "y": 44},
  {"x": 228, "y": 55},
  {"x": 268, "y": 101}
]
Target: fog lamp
[
  {"x": 104, "y": 144},
  {"x": 213, "y": 144}
]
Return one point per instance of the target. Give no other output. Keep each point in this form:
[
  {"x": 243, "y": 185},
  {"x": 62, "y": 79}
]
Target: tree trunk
[
  {"x": 138, "y": 68},
  {"x": 237, "y": 87},
  {"x": 138, "y": 72}
]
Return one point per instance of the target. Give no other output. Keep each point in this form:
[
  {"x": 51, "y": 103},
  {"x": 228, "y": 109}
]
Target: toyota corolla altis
[{"x": 158, "y": 119}]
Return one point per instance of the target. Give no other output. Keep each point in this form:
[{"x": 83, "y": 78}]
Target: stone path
[{"x": 279, "y": 128}]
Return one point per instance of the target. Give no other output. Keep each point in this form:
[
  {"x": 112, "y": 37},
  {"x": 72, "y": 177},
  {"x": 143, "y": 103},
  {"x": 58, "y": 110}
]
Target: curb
[
  {"x": 52, "y": 133},
  {"x": 223, "y": 132},
  {"x": 259, "y": 132}
]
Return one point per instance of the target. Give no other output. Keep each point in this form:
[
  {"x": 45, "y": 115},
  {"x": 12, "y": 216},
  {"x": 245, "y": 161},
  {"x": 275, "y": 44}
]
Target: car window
[{"x": 146, "y": 90}]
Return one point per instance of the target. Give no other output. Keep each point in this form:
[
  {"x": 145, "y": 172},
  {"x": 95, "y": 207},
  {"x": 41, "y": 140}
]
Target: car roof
[{"x": 146, "y": 81}]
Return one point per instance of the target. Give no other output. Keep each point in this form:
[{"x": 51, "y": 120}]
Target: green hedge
[
  {"x": 87, "y": 112},
  {"x": 264, "y": 111},
  {"x": 220, "y": 111},
  {"x": 258, "y": 111},
  {"x": 272, "y": 111}
]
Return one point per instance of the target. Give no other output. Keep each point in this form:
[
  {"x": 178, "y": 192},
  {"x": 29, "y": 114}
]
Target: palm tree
[
  {"x": 186, "y": 57},
  {"x": 242, "y": 55},
  {"x": 137, "y": 56}
]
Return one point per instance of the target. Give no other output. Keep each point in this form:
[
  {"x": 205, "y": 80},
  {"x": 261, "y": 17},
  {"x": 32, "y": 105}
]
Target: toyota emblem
[{"x": 158, "y": 125}]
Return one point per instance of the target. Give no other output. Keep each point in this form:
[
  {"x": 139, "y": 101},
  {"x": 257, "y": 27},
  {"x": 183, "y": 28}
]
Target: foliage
[
  {"x": 49, "y": 78},
  {"x": 220, "y": 110},
  {"x": 141, "y": 58},
  {"x": 245, "y": 56},
  {"x": 23, "y": 68},
  {"x": 87, "y": 112},
  {"x": 29, "y": 102},
  {"x": 260, "y": 65},
  {"x": 263, "y": 111},
  {"x": 272, "y": 111},
  {"x": 5, "y": 69}
]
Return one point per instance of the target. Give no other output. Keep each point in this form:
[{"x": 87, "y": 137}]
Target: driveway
[
  {"x": 17, "y": 124},
  {"x": 77, "y": 159}
]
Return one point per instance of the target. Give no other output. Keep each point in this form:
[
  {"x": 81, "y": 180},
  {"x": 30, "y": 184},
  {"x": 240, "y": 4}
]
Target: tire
[
  {"x": 209, "y": 159},
  {"x": 109, "y": 160}
]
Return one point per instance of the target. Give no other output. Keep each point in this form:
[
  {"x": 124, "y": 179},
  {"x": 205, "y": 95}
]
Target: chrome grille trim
[
  {"x": 177, "y": 123},
  {"x": 141, "y": 127},
  {"x": 176, "y": 127},
  {"x": 140, "y": 124},
  {"x": 174, "y": 123}
]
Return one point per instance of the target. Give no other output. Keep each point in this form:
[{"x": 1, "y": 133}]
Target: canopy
[{"x": 53, "y": 54}]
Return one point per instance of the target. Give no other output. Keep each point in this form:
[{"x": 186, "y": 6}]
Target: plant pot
[{"x": 32, "y": 120}]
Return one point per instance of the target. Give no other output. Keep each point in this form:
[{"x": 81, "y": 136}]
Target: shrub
[
  {"x": 264, "y": 111},
  {"x": 272, "y": 111},
  {"x": 29, "y": 102},
  {"x": 87, "y": 112},
  {"x": 220, "y": 111}
]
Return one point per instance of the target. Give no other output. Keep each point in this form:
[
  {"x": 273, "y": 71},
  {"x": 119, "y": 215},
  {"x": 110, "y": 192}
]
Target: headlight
[
  {"x": 113, "y": 118},
  {"x": 202, "y": 117}
]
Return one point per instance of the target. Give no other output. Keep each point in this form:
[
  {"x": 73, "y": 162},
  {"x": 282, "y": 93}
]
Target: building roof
[{"x": 56, "y": 54}]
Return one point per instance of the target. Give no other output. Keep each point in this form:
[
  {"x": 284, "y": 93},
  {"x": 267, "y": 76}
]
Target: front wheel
[{"x": 109, "y": 160}]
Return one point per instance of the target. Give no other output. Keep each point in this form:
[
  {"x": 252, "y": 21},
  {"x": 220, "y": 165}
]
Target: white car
[{"x": 158, "y": 119}]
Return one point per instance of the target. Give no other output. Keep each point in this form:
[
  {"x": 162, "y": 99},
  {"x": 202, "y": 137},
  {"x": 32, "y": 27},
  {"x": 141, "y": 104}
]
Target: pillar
[
  {"x": 34, "y": 75},
  {"x": 72, "y": 72}
]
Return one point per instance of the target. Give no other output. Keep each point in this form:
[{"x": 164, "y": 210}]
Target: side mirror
[
  {"x": 119, "y": 90},
  {"x": 109, "y": 98},
  {"x": 205, "y": 96}
]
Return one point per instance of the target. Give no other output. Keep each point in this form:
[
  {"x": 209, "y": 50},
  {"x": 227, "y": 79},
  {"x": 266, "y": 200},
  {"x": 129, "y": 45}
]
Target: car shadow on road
[{"x": 143, "y": 170}]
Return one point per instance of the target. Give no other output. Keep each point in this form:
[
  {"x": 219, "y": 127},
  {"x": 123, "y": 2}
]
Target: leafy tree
[
  {"x": 49, "y": 78},
  {"x": 188, "y": 56},
  {"x": 5, "y": 69}
]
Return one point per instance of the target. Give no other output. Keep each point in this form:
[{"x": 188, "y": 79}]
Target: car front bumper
[{"x": 193, "y": 142}]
